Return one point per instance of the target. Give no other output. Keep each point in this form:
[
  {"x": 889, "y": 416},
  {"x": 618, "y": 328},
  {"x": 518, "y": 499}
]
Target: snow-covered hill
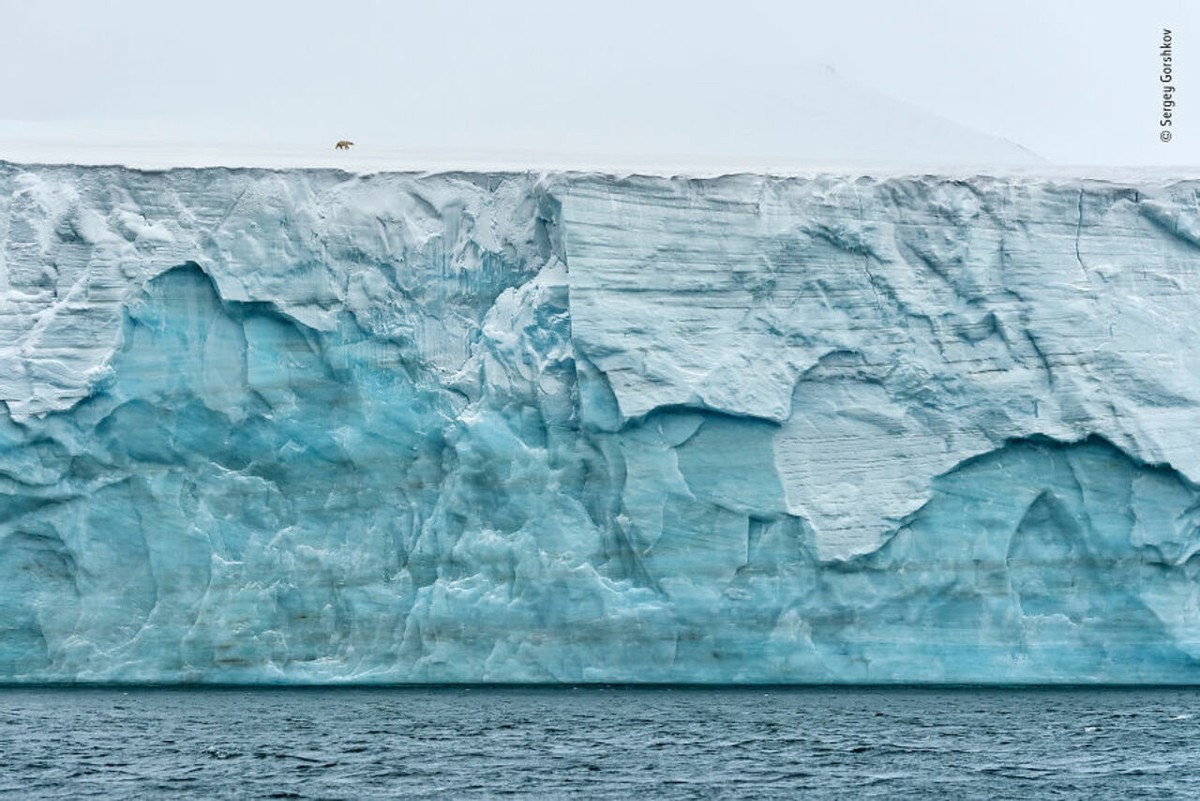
[{"x": 699, "y": 124}]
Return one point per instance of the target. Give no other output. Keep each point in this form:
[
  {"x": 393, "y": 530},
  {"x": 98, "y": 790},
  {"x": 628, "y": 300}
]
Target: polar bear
[{"x": 343, "y": 144}]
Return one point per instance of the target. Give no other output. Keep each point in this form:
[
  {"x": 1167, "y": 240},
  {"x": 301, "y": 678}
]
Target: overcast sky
[{"x": 1076, "y": 82}]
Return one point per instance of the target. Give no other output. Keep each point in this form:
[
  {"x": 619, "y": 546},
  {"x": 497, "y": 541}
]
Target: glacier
[{"x": 308, "y": 426}]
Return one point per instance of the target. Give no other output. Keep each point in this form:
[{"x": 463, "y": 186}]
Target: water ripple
[{"x": 599, "y": 743}]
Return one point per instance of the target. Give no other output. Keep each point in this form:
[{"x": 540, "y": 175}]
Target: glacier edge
[{"x": 310, "y": 427}]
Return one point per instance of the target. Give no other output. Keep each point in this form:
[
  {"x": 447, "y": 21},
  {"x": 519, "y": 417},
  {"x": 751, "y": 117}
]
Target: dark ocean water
[{"x": 599, "y": 742}]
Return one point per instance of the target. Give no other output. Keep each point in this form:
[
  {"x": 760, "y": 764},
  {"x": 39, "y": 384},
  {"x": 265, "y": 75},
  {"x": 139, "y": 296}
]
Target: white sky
[{"x": 1074, "y": 81}]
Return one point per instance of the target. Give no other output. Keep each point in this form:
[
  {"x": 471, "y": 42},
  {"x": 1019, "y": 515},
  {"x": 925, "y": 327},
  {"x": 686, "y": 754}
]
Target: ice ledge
[
  {"x": 894, "y": 328},
  {"x": 78, "y": 243},
  {"x": 378, "y": 429},
  {"x": 890, "y": 328}
]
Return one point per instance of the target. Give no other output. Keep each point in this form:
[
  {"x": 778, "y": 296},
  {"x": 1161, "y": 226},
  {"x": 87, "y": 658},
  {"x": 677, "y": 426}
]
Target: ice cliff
[{"x": 309, "y": 426}]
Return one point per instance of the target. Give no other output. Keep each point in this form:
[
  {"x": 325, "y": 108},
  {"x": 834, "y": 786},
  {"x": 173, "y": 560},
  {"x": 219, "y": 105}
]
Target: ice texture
[{"x": 306, "y": 426}]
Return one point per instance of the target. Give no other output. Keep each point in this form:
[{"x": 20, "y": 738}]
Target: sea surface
[{"x": 599, "y": 743}]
